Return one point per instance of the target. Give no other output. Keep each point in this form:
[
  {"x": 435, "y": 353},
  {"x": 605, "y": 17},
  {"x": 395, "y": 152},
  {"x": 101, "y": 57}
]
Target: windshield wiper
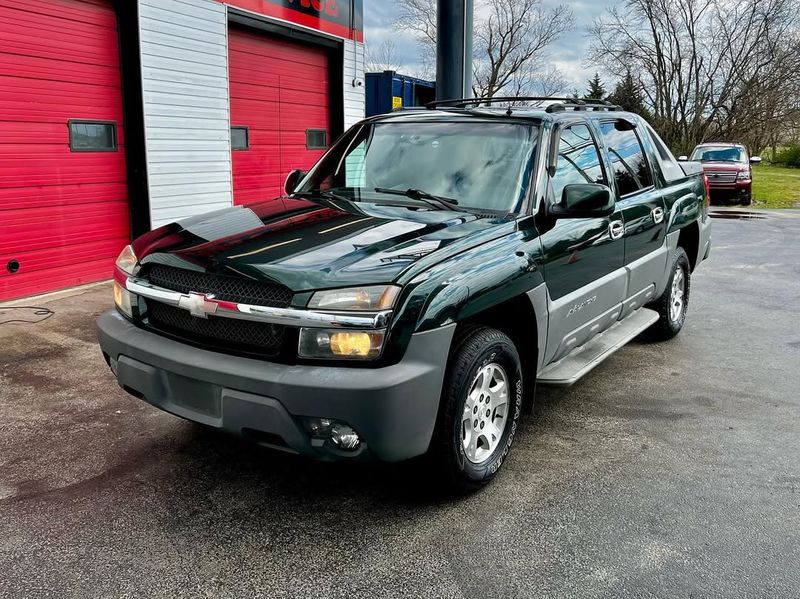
[
  {"x": 422, "y": 196},
  {"x": 325, "y": 193}
]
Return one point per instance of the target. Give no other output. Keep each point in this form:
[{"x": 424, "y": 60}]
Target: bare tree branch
[
  {"x": 511, "y": 42},
  {"x": 707, "y": 68},
  {"x": 382, "y": 58}
]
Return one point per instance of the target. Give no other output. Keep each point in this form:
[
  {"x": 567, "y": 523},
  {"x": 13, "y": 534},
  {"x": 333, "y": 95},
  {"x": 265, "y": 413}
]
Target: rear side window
[
  {"x": 670, "y": 168},
  {"x": 578, "y": 160},
  {"x": 628, "y": 162}
]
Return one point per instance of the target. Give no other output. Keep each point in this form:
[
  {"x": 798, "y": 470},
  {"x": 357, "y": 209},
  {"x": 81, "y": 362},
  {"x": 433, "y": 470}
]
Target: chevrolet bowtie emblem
[{"x": 198, "y": 305}]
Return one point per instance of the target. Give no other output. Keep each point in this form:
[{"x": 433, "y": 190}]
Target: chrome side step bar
[{"x": 583, "y": 359}]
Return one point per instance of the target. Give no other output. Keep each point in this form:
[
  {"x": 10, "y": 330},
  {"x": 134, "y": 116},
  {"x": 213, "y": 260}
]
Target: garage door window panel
[
  {"x": 316, "y": 139},
  {"x": 240, "y": 138},
  {"x": 92, "y": 136}
]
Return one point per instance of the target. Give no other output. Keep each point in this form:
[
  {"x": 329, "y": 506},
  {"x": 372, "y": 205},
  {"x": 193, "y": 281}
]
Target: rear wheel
[
  {"x": 674, "y": 302},
  {"x": 481, "y": 406}
]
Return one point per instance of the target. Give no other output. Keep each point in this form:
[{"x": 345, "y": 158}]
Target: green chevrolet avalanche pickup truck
[{"x": 407, "y": 294}]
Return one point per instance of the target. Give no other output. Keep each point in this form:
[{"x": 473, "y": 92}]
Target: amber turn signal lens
[
  {"x": 351, "y": 344},
  {"x": 334, "y": 344},
  {"x": 123, "y": 299}
]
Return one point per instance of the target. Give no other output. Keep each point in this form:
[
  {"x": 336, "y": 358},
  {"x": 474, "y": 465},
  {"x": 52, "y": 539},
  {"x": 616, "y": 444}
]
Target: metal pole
[{"x": 454, "y": 49}]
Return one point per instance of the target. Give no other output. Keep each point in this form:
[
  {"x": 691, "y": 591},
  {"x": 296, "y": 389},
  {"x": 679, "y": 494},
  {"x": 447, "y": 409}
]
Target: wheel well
[
  {"x": 689, "y": 240},
  {"x": 517, "y": 319}
]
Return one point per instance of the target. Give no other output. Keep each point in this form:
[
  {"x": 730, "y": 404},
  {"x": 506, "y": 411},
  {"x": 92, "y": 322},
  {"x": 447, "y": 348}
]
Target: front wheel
[
  {"x": 674, "y": 302},
  {"x": 481, "y": 406}
]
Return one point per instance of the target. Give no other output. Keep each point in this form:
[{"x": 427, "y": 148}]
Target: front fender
[{"x": 467, "y": 284}]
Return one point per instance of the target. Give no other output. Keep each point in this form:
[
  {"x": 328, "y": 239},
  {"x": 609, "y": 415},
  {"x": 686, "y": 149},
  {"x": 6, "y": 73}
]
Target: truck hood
[{"x": 308, "y": 245}]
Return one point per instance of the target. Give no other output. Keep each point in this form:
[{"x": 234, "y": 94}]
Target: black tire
[
  {"x": 746, "y": 200},
  {"x": 667, "y": 325},
  {"x": 474, "y": 348}
]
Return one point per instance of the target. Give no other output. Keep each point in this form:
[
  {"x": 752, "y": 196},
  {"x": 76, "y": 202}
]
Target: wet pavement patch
[{"x": 737, "y": 214}]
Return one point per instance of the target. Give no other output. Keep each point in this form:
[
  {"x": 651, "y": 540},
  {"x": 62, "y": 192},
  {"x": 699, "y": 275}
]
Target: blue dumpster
[{"x": 389, "y": 90}]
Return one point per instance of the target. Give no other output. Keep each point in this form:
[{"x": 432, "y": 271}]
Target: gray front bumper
[{"x": 393, "y": 409}]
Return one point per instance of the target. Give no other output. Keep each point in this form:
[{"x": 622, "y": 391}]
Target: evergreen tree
[
  {"x": 596, "y": 91},
  {"x": 628, "y": 95}
]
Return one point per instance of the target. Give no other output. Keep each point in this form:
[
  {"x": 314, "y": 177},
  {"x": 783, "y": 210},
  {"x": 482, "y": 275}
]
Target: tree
[
  {"x": 510, "y": 44},
  {"x": 596, "y": 91},
  {"x": 706, "y": 68},
  {"x": 628, "y": 94},
  {"x": 382, "y": 58}
]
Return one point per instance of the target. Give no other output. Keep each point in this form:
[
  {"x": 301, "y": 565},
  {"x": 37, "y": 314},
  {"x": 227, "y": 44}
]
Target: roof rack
[{"x": 557, "y": 105}]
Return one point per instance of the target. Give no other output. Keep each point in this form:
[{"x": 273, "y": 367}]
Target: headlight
[
  {"x": 743, "y": 175},
  {"x": 336, "y": 344},
  {"x": 356, "y": 299},
  {"x": 128, "y": 264},
  {"x": 127, "y": 261}
]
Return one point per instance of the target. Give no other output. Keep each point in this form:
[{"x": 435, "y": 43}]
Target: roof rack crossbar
[{"x": 558, "y": 104}]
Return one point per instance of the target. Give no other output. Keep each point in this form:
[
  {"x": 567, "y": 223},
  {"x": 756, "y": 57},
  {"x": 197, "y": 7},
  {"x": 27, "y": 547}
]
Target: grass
[{"x": 776, "y": 186}]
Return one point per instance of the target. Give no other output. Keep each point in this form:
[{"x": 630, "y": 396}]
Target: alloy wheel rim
[
  {"x": 485, "y": 413},
  {"x": 676, "y": 300}
]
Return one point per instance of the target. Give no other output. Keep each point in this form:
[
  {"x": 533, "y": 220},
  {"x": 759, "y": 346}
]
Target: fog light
[
  {"x": 340, "y": 434},
  {"x": 344, "y": 437},
  {"x": 319, "y": 427}
]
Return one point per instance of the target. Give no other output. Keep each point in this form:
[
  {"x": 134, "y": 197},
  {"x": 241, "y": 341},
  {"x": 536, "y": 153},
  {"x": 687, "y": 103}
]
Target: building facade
[{"x": 120, "y": 116}]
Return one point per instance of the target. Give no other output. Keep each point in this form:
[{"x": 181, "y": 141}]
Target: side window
[
  {"x": 355, "y": 166},
  {"x": 578, "y": 160},
  {"x": 628, "y": 161},
  {"x": 670, "y": 168}
]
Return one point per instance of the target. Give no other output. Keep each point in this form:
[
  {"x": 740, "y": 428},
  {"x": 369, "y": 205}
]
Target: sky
[{"x": 568, "y": 53}]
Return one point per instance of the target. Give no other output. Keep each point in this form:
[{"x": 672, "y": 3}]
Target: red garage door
[
  {"x": 280, "y": 115},
  {"x": 63, "y": 198}
]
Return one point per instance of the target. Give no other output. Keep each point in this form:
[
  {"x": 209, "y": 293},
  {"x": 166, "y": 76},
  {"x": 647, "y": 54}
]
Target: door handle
[
  {"x": 530, "y": 261},
  {"x": 616, "y": 229},
  {"x": 658, "y": 215}
]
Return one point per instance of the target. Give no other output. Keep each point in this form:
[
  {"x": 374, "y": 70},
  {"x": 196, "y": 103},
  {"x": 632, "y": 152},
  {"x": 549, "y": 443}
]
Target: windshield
[
  {"x": 719, "y": 154},
  {"x": 480, "y": 165}
]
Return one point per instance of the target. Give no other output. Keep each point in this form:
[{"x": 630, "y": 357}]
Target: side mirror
[
  {"x": 683, "y": 158},
  {"x": 584, "y": 200},
  {"x": 755, "y": 159},
  {"x": 292, "y": 179}
]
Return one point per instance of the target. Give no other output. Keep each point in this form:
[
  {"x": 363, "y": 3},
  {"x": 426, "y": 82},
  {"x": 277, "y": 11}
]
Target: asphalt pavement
[{"x": 672, "y": 470}]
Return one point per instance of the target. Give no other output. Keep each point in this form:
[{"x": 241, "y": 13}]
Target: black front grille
[
  {"x": 231, "y": 289},
  {"x": 226, "y": 334},
  {"x": 220, "y": 334}
]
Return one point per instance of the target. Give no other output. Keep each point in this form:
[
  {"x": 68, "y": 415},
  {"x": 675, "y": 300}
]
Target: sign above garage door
[{"x": 342, "y": 18}]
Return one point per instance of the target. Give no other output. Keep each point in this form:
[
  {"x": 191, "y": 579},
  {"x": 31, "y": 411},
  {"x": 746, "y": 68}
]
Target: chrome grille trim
[
  {"x": 202, "y": 306},
  {"x": 721, "y": 176}
]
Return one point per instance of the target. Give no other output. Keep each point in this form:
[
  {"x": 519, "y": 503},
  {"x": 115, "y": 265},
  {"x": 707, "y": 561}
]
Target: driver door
[{"x": 583, "y": 257}]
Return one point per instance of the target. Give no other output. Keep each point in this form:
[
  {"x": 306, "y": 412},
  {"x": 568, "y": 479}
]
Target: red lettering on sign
[{"x": 329, "y": 6}]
